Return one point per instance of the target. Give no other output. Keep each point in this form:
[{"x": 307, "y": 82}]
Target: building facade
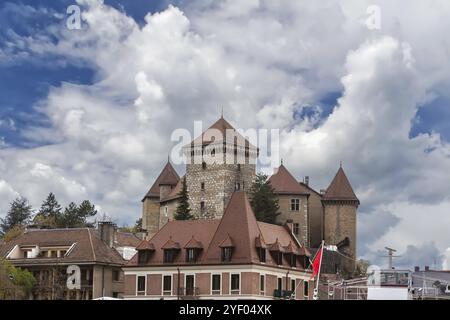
[
  {"x": 218, "y": 166},
  {"x": 235, "y": 257},
  {"x": 53, "y": 255}
]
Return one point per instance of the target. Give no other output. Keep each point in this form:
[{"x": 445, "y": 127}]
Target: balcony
[
  {"x": 282, "y": 294},
  {"x": 190, "y": 293}
]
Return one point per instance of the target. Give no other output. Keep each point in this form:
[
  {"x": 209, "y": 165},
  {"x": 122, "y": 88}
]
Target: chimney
[
  {"x": 416, "y": 269},
  {"x": 107, "y": 232},
  {"x": 427, "y": 268},
  {"x": 307, "y": 180},
  {"x": 290, "y": 225}
]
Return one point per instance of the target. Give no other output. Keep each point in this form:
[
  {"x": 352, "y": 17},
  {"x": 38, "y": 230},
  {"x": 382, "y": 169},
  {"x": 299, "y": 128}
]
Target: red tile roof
[
  {"x": 168, "y": 176},
  {"x": 175, "y": 193},
  {"x": 340, "y": 188},
  {"x": 194, "y": 244},
  {"x": 238, "y": 227},
  {"x": 87, "y": 246},
  {"x": 145, "y": 245},
  {"x": 220, "y": 126},
  {"x": 126, "y": 239},
  {"x": 283, "y": 182},
  {"x": 170, "y": 244}
]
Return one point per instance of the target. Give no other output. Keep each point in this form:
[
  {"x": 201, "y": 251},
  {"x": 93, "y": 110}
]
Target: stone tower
[
  {"x": 166, "y": 181},
  {"x": 339, "y": 221},
  {"x": 219, "y": 162}
]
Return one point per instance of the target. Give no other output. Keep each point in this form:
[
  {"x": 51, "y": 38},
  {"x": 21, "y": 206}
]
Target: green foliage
[
  {"x": 15, "y": 283},
  {"x": 50, "y": 207},
  {"x": 135, "y": 229},
  {"x": 13, "y": 233},
  {"x": 263, "y": 200},
  {"x": 19, "y": 214},
  {"x": 183, "y": 209}
]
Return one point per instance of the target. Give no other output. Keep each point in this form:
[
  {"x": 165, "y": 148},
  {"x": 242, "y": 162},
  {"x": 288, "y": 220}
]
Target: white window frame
[
  {"x": 306, "y": 297},
  {"x": 240, "y": 283},
  {"x": 263, "y": 278},
  {"x": 216, "y": 292},
  {"x": 137, "y": 285},
  {"x": 294, "y": 289},
  {"x": 163, "y": 292},
  {"x": 295, "y": 204},
  {"x": 185, "y": 277}
]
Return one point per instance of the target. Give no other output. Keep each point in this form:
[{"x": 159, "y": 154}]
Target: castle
[{"x": 217, "y": 167}]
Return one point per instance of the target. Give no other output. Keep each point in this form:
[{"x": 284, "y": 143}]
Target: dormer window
[
  {"x": 226, "y": 249},
  {"x": 226, "y": 254},
  {"x": 143, "y": 256},
  {"x": 262, "y": 254},
  {"x": 193, "y": 249},
  {"x": 171, "y": 249},
  {"x": 169, "y": 255}
]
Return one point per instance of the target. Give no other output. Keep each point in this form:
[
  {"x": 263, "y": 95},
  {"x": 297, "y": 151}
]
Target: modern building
[
  {"x": 48, "y": 254},
  {"x": 235, "y": 257}
]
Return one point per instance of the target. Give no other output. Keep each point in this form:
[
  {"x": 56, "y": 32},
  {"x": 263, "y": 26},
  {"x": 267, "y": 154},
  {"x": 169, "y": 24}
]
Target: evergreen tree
[
  {"x": 49, "y": 213},
  {"x": 263, "y": 200},
  {"x": 18, "y": 215},
  {"x": 50, "y": 207},
  {"x": 76, "y": 216},
  {"x": 86, "y": 210},
  {"x": 183, "y": 209},
  {"x": 70, "y": 217}
]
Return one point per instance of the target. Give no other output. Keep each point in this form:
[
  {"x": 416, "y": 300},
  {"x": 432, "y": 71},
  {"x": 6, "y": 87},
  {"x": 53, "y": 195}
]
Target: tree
[
  {"x": 135, "y": 229},
  {"x": 263, "y": 200},
  {"x": 183, "y": 210},
  {"x": 15, "y": 283},
  {"x": 19, "y": 214},
  {"x": 76, "y": 216},
  {"x": 49, "y": 212}
]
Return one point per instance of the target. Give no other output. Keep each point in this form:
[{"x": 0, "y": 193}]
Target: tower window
[
  {"x": 203, "y": 165},
  {"x": 202, "y": 205},
  {"x": 213, "y": 152},
  {"x": 238, "y": 186},
  {"x": 296, "y": 229},
  {"x": 202, "y": 186},
  {"x": 239, "y": 167},
  {"x": 295, "y": 204}
]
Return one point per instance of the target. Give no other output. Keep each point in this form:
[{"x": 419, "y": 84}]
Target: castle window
[
  {"x": 202, "y": 205},
  {"x": 296, "y": 229},
  {"x": 295, "y": 204},
  {"x": 238, "y": 186},
  {"x": 213, "y": 152},
  {"x": 203, "y": 165},
  {"x": 192, "y": 153},
  {"x": 239, "y": 167},
  {"x": 202, "y": 186},
  {"x": 226, "y": 254}
]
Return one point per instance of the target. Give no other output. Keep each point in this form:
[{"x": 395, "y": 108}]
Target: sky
[{"x": 89, "y": 113}]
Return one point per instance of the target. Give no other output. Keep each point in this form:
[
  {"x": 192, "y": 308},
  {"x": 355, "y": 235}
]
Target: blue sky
[{"x": 90, "y": 113}]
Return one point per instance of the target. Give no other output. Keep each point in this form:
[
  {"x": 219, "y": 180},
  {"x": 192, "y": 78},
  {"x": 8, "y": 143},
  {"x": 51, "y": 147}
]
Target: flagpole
[{"x": 316, "y": 291}]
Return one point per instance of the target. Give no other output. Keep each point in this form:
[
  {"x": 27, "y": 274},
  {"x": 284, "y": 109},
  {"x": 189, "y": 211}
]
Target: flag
[{"x": 316, "y": 263}]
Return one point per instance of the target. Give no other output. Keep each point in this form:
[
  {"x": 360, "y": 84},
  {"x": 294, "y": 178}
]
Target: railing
[
  {"x": 282, "y": 294},
  {"x": 189, "y": 293}
]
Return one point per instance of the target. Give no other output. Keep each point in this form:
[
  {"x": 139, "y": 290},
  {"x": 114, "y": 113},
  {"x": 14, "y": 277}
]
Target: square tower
[{"x": 219, "y": 162}]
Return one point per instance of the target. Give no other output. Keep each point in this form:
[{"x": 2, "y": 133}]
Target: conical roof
[
  {"x": 340, "y": 188},
  {"x": 168, "y": 176},
  {"x": 283, "y": 182}
]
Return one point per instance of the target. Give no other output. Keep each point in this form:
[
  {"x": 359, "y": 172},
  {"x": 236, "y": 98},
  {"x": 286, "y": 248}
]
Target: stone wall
[
  {"x": 339, "y": 223},
  {"x": 150, "y": 215},
  {"x": 300, "y": 217}
]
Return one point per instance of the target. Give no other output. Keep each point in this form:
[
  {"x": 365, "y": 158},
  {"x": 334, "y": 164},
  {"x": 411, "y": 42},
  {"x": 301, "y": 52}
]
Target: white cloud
[{"x": 263, "y": 61}]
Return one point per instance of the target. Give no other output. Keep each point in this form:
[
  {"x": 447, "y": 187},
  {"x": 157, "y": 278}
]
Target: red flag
[{"x": 316, "y": 263}]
